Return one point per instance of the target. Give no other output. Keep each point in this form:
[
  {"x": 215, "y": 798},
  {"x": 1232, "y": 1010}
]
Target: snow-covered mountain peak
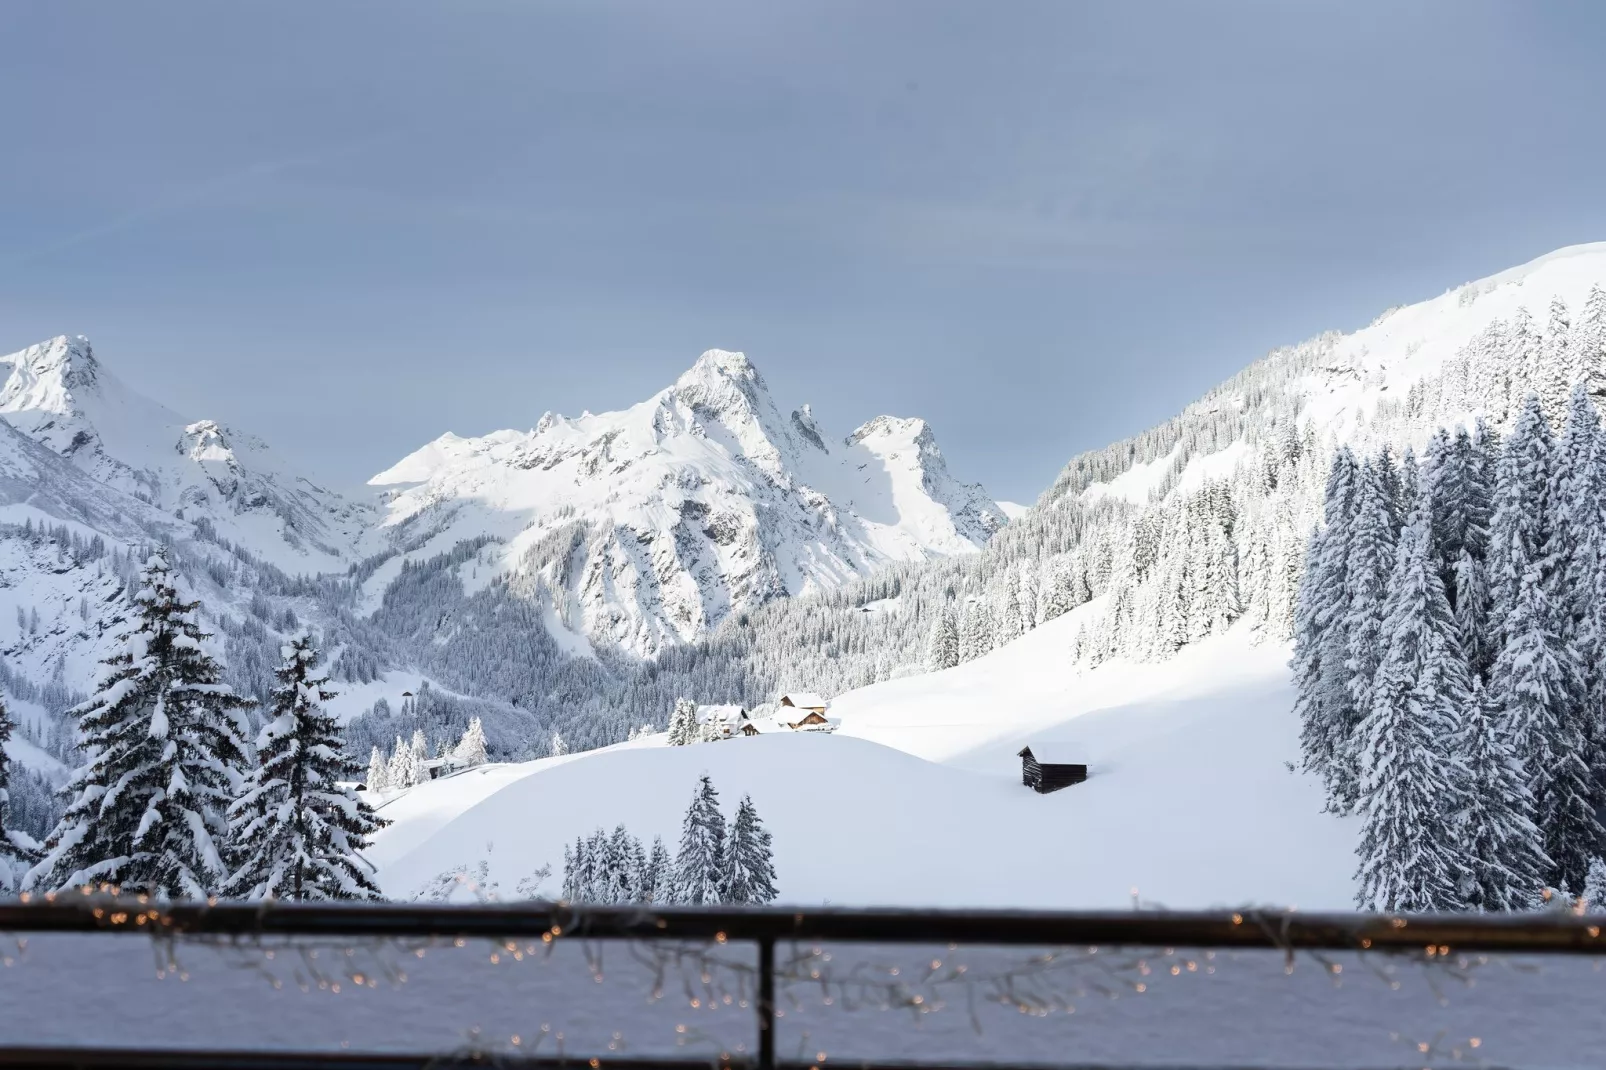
[
  {"x": 698, "y": 502},
  {"x": 46, "y": 376},
  {"x": 723, "y": 363},
  {"x": 61, "y": 395},
  {"x": 911, "y": 430}
]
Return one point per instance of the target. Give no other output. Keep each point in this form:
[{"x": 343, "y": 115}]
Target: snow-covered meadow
[{"x": 917, "y": 798}]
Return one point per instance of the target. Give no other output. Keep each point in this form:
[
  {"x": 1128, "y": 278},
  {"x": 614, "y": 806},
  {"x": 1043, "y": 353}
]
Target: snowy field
[{"x": 917, "y": 799}]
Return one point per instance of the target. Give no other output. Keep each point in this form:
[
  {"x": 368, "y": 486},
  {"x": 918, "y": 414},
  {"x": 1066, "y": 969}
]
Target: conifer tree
[
  {"x": 470, "y": 750},
  {"x": 17, "y": 851},
  {"x": 700, "y": 864},
  {"x": 1557, "y": 372},
  {"x": 401, "y": 773},
  {"x": 1007, "y": 625},
  {"x": 1323, "y": 703},
  {"x": 298, "y": 830},
  {"x": 1504, "y": 863},
  {"x": 575, "y": 884},
  {"x": 165, "y": 740},
  {"x": 618, "y": 869},
  {"x": 653, "y": 884},
  {"x": 683, "y": 723},
  {"x": 378, "y": 771},
  {"x": 976, "y": 638},
  {"x": 1519, "y": 536},
  {"x": 420, "y": 748},
  {"x": 1059, "y": 595},
  {"x": 1575, "y": 503},
  {"x": 558, "y": 747},
  {"x": 1408, "y": 851},
  {"x": 1371, "y": 560},
  {"x": 1536, "y": 683},
  {"x": 749, "y": 859},
  {"x": 942, "y": 650},
  {"x": 1589, "y": 339},
  {"x": 1595, "y": 886}
]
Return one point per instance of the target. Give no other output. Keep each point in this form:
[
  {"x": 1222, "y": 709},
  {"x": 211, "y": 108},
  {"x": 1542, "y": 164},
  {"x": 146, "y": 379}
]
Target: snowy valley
[{"x": 565, "y": 585}]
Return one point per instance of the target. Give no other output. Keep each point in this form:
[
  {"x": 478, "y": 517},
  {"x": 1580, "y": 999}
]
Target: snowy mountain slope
[
  {"x": 1337, "y": 382},
  {"x": 648, "y": 527},
  {"x": 918, "y": 800},
  {"x": 59, "y": 394}
]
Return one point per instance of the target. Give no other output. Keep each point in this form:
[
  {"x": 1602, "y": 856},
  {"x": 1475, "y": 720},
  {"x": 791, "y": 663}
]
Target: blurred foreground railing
[{"x": 1432, "y": 937}]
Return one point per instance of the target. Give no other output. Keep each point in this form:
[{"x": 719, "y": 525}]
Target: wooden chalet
[
  {"x": 724, "y": 721},
  {"x": 1050, "y": 772},
  {"x": 808, "y": 709},
  {"x": 811, "y": 719}
]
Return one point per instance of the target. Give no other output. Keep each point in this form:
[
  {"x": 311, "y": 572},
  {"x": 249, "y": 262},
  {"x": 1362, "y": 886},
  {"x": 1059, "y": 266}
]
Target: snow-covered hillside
[
  {"x": 199, "y": 471},
  {"x": 918, "y": 799},
  {"x": 650, "y": 526}
]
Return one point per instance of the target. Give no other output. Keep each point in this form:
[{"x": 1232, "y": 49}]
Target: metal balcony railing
[{"x": 1550, "y": 933}]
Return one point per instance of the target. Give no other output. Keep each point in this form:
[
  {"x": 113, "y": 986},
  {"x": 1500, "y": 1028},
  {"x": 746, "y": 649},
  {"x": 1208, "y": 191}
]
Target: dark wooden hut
[{"x": 1047, "y": 773}]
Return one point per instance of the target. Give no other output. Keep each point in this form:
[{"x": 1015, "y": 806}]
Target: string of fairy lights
[{"x": 721, "y": 976}]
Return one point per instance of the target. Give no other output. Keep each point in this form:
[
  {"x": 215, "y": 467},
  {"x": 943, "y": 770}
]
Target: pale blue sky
[{"x": 353, "y": 226}]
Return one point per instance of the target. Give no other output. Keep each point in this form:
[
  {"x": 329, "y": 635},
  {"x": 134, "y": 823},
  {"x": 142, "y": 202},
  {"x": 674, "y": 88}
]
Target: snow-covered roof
[
  {"x": 717, "y": 714},
  {"x": 1051, "y": 753},
  {"x": 804, "y": 700}
]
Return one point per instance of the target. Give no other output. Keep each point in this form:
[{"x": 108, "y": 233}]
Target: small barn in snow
[{"x": 1046, "y": 767}]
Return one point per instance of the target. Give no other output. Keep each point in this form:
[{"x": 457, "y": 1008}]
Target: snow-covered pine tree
[
  {"x": 654, "y": 880},
  {"x": 619, "y": 867},
  {"x": 1323, "y": 702},
  {"x": 18, "y": 852},
  {"x": 1409, "y": 858},
  {"x": 1575, "y": 502},
  {"x": 400, "y": 773},
  {"x": 1472, "y": 616},
  {"x": 575, "y": 867},
  {"x": 1007, "y": 624},
  {"x": 1589, "y": 340},
  {"x": 749, "y": 859},
  {"x": 976, "y": 634},
  {"x": 165, "y": 740},
  {"x": 1473, "y": 603},
  {"x": 470, "y": 750},
  {"x": 1595, "y": 886},
  {"x": 1519, "y": 535},
  {"x": 557, "y": 748},
  {"x": 1536, "y": 683},
  {"x": 683, "y": 723},
  {"x": 1026, "y": 595},
  {"x": 942, "y": 650},
  {"x": 1503, "y": 862},
  {"x": 1444, "y": 476},
  {"x": 1371, "y": 560},
  {"x": 1556, "y": 372},
  {"x": 298, "y": 830},
  {"x": 700, "y": 864},
  {"x": 638, "y": 872},
  {"x": 378, "y": 771},
  {"x": 420, "y": 748}
]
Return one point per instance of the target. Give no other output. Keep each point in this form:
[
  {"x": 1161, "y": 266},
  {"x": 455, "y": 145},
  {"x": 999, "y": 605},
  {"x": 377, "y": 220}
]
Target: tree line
[
  {"x": 716, "y": 862},
  {"x": 177, "y": 798},
  {"x": 1450, "y": 662}
]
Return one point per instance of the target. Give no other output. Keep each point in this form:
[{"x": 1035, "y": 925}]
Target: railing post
[{"x": 766, "y": 1003}]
